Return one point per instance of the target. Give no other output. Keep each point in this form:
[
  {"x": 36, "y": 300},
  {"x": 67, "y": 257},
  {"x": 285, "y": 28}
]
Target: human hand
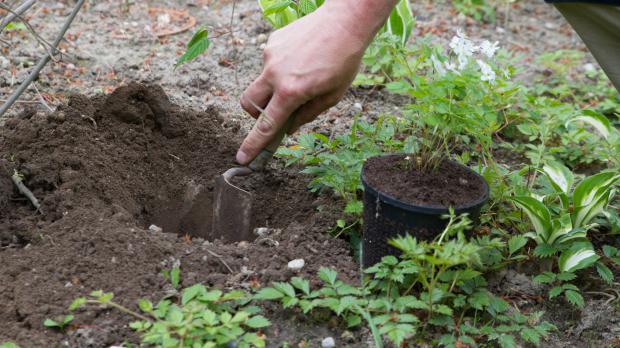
[{"x": 308, "y": 66}]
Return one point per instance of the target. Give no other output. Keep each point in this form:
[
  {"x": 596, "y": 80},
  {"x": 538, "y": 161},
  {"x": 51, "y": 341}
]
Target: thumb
[{"x": 266, "y": 127}]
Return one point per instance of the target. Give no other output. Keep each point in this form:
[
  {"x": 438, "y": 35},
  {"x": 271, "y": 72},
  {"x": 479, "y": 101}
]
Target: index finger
[{"x": 266, "y": 127}]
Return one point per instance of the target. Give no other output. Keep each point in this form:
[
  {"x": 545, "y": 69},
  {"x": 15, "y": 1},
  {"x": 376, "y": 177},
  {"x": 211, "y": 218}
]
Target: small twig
[
  {"x": 41, "y": 98},
  {"x": 46, "y": 45},
  {"x": 17, "y": 180},
  {"x": 42, "y": 62},
  {"x": 90, "y": 119},
  {"x": 235, "y": 54},
  {"x": 219, "y": 257},
  {"x": 17, "y": 12}
]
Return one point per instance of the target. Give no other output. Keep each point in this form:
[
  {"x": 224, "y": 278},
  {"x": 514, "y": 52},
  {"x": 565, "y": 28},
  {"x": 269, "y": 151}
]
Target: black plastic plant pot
[{"x": 386, "y": 217}]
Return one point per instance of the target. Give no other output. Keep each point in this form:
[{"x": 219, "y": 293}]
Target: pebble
[
  {"x": 261, "y": 38},
  {"x": 296, "y": 264},
  {"x": 155, "y": 228},
  {"x": 68, "y": 285},
  {"x": 262, "y": 46},
  {"x": 589, "y": 67},
  {"x": 328, "y": 342},
  {"x": 358, "y": 107},
  {"x": 4, "y": 63}
]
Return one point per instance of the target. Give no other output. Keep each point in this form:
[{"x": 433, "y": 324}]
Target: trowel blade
[{"x": 232, "y": 212}]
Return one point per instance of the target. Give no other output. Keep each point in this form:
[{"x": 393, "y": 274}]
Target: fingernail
[{"x": 242, "y": 157}]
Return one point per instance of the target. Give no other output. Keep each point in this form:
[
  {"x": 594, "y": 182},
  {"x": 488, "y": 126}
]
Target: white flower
[
  {"x": 487, "y": 72},
  {"x": 488, "y": 49},
  {"x": 450, "y": 66},
  {"x": 463, "y": 48},
  {"x": 437, "y": 65}
]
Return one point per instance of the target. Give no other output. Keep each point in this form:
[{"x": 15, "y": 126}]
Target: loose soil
[
  {"x": 104, "y": 170},
  {"x": 450, "y": 185}
]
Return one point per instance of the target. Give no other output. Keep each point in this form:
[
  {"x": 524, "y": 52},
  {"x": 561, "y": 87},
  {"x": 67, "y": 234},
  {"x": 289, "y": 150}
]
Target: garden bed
[{"x": 104, "y": 170}]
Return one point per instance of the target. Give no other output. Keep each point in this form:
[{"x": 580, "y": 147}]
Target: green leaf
[
  {"x": 574, "y": 298},
  {"x": 599, "y": 122},
  {"x": 530, "y": 335},
  {"x": 605, "y": 273},
  {"x": 51, "y": 323},
  {"x": 301, "y": 284},
  {"x": 610, "y": 251},
  {"x": 353, "y": 320},
  {"x": 196, "y": 46},
  {"x": 8, "y": 345},
  {"x": 175, "y": 277},
  {"x": 77, "y": 303},
  {"x": 191, "y": 292},
  {"x": 145, "y": 305},
  {"x": 276, "y": 7},
  {"x": 328, "y": 275},
  {"x": 515, "y": 243},
  {"x": 354, "y": 207},
  {"x": 307, "y": 6},
  {"x": 545, "y": 278},
  {"x": 268, "y": 294},
  {"x": 538, "y": 213},
  {"x": 257, "y": 322},
  {"x": 211, "y": 296},
  {"x": 555, "y": 291},
  {"x": 591, "y": 197},
  {"x": 561, "y": 178},
  {"x": 507, "y": 341},
  {"x": 285, "y": 288},
  {"x": 545, "y": 250},
  {"x": 577, "y": 258},
  {"x": 566, "y": 276}
]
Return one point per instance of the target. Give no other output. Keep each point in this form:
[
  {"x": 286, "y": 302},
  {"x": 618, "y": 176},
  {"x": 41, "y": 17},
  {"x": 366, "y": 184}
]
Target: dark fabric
[{"x": 605, "y": 2}]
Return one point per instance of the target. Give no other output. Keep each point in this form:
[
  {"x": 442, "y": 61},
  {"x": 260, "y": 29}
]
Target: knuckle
[{"x": 291, "y": 90}]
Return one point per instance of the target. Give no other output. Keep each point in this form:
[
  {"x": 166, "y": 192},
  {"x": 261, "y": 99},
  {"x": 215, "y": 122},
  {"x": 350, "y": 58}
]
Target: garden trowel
[{"x": 232, "y": 206}]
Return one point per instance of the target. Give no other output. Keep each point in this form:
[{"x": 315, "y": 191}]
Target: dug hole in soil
[{"x": 105, "y": 169}]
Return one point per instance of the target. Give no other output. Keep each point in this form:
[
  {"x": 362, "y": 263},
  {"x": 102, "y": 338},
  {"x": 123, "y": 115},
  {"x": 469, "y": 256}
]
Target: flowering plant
[{"x": 464, "y": 94}]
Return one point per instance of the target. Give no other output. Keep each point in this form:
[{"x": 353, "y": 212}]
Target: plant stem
[{"x": 121, "y": 308}]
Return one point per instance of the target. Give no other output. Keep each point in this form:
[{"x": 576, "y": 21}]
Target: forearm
[{"x": 363, "y": 18}]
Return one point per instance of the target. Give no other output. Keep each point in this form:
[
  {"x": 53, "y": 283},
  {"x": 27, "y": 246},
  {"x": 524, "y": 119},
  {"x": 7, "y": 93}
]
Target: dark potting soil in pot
[{"x": 451, "y": 185}]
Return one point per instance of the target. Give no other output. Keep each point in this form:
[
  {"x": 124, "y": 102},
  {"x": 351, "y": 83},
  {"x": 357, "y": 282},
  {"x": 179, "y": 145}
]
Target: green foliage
[
  {"x": 173, "y": 275},
  {"x": 60, "y": 323},
  {"x": 560, "y": 286},
  {"x": 436, "y": 283},
  {"x": 8, "y": 345},
  {"x": 199, "y": 318},
  {"x": 480, "y": 10},
  {"x": 196, "y": 46}
]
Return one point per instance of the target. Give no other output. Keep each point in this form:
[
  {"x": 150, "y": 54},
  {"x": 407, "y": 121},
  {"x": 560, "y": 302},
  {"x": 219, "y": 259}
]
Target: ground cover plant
[{"x": 544, "y": 254}]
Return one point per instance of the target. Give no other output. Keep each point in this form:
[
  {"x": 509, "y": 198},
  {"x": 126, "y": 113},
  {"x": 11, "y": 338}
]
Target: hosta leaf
[
  {"x": 561, "y": 178},
  {"x": 574, "y": 298},
  {"x": 583, "y": 215},
  {"x": 593, "y": 190},
  {"x": 538, "y": 213},
  {"x": 575, "y": 259},
  {"x": 401, "y": 21},
  {"x": 597, "y": 121}
]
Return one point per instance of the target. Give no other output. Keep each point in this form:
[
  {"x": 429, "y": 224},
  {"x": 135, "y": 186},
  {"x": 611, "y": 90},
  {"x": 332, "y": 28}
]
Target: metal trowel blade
[{"x": 232, "y": 212}]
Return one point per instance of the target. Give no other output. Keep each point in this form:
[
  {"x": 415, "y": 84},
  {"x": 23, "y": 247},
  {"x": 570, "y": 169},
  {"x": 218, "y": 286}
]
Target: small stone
[
  {"x": 4, "y": 63},
  {"x": 296, "y": 265},
  {"x": 262, "y": 46},
  {"x": 589, "y": 67},
  {"x": 261, "y": 38},
  {"x": 155, "y": 228},
  {"x": 68, "y": 285},
  {"x": 328, "y": 342},
  {"x": 357, "y": 107},
  {"x": 113, "y": 259},
  {"x": 243, "y": 244}
]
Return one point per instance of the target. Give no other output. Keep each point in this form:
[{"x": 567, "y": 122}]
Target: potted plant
[{"x": 411, "y": 193}]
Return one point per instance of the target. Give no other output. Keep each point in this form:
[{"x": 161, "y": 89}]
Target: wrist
[{"x": 361, "y": 18}]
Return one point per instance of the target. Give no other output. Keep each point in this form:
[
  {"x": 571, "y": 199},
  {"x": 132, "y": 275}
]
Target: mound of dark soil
[
  {"x": 450, "y": 185},
  {"x": 104, "y": 170}
]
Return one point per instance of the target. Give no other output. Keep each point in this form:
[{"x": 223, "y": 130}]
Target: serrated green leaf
[
  {"x": 302, "y": 284},
  {"x": 284, "y": 288},
  {"x": 145, "y": 305},
  {"x": 555, "y": 291},
  {"x": 545, "y": 250},
  {"x": 268, "y": 294},
  {"x": 257, "y": 322},
  {"x": 605, "y": 273},
  {"x": 574, "y": 298},
  {"x": 192, "y": 292},
  {"x": 197, "y": 45},
  {"x": 566, "y": 276},
  {"x": 515, "y": 243},
  {"x": 328, "y": 275},
  {"x": 530, "y": 335},
  {"x": 507, "y": 341},
  {"x": 77, "y": 303},
  {"x": 545, "y": 278}
]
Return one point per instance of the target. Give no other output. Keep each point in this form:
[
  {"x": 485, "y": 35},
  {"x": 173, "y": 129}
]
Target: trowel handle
[{"x": 259, "y": 163}]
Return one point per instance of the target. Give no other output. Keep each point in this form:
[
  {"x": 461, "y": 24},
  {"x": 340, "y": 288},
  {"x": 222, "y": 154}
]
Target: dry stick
[
  {"x": 41, "y": 98},
  {"x": 17, "y": 180},
  {"x": 219, "y": 257},
  {"x": 41, "y": 64},
  {"x": 17, "y": 12}
]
